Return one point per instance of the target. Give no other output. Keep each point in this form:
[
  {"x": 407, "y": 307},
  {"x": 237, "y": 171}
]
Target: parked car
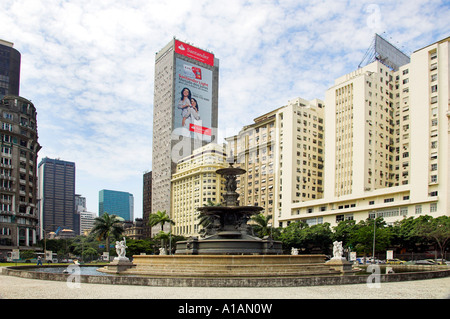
[
  {"x": 443, "y": 262},
  {"x": 395, "y": 261},
  {"x": 426, "y": 262}
]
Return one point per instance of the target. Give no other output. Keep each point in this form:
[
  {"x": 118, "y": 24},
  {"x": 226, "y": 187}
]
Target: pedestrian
[{"x": 39, "y": 261}]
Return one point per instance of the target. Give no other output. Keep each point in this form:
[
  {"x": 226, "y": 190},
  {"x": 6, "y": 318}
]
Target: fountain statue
[{"x": 226, "y": 230}]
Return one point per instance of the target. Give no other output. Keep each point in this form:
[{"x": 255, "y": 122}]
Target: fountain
[
  {"x": 227, "y": 250},
  {"x": 226, "y": 231}
]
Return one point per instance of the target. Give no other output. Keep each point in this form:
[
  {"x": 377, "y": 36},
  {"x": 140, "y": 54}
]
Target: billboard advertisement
[
  {"x": 194, "y": 53},
  {"x": 193, "y": 100}
]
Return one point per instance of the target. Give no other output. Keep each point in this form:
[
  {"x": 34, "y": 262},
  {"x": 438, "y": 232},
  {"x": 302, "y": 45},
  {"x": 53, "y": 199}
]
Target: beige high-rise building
[
  {"x": 184, "y": 112},
  {"x": 283, "y": 153},
  {"x": 196, "y": 184},
  {"x": 387, "y": 143}
]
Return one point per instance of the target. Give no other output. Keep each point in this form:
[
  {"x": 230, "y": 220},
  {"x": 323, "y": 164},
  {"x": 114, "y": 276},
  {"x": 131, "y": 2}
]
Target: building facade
[
  {"x": 283, "y": 154},
  {"x": 57, "y": 196},
  {"x": 9, "y": 69},
  {"x": 387, "y": 143},
  {"x": 18, "y": 174},
  {"x": 196, "y": 184},
  {"x": 147, "y": 204},
  {"x": 134, "y": 229},
  {"x": 184, "y": 111},
  {"x": 116, "y": 203},
  {"x": 87, "y": 220}
]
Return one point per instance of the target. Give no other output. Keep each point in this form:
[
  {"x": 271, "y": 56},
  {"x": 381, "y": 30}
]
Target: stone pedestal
[
  {"x": 340, "y": 264},
  {"x": 119, "y": 264}
]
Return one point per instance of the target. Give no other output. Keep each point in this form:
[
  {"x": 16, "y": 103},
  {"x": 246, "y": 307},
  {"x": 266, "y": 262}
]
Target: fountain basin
[{"x": 228, "y": 266}]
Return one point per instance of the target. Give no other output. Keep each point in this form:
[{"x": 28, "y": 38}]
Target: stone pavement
[{"x": 22, "y": 288}]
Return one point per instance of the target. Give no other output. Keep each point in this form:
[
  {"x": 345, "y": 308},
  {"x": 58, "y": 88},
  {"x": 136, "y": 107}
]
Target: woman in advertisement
[{"x": 188, "y": 106}]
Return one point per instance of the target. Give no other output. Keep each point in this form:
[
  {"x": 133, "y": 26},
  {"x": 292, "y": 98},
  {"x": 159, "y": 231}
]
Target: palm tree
[
  {"x": 106, "y": 226},
  {"x": 262, "y": 227},
  {"x": 159, "y": 218}
]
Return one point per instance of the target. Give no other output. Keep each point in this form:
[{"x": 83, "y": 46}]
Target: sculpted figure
[
  {"x": 337, "y": 249},
  {"x": 121, "y": 247}
]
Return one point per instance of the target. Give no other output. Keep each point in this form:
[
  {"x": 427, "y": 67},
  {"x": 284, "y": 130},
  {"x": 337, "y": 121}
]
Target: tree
[
  {"x": 404, "y": 234},
  {"x": 138, "y": 246},
  {"x": 106, "y": 226},
  {"x": 362, "y": 238},
  {"x": 319, "y": 237},
  {"x": 437, "y": 229},
  {"x": 293, "y": 235},
  {"x": 159, "y": 218},
  {"x": 343, "y": 232},
  {"x": 262, "y": 226}
]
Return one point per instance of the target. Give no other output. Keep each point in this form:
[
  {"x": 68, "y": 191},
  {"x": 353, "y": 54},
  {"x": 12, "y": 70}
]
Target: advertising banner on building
[
  {"x": 193, "y": 100},
  {"x": 194, "y": 53}
]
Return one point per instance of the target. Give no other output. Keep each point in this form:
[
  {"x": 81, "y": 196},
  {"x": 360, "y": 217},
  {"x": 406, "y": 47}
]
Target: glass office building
[
  {"x": 9, "y": 69},
  {"x": 57, "y": 196},
  {"x": 116, "y": 203}
]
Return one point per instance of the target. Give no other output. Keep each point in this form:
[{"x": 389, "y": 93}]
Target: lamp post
[{"x": 373, "y": 248}]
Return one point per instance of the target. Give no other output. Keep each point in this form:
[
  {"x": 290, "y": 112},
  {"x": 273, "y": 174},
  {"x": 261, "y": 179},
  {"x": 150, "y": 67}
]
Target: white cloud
[{"x": 89, "y": 65}]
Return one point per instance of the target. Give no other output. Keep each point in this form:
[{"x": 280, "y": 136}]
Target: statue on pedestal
[
  {"x": 338, "y": 251},
  {"x": 121, "y": 249}
]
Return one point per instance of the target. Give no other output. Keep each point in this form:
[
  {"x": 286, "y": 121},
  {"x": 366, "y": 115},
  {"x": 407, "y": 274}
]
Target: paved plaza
[{"x": 20, "y": 288}]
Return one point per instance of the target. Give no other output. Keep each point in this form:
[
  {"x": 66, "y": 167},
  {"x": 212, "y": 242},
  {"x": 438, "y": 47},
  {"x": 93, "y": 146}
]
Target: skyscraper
[
  {"x": 9, "y": 69},
  {"x": 116, "y": 203},
  {"x": 57, "y": 196},
  {"x": 184, "y": 111},
  {"x": 18, "y": 178}
]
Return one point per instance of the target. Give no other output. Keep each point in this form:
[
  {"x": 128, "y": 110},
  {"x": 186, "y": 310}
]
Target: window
[
  {"x": 434, "y": 88},
  {"x": 433, "y": 207},
  {"x": 418, "y": 209}
]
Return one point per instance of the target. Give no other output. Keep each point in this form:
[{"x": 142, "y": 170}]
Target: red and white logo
[{"x": 194, "y": 53}]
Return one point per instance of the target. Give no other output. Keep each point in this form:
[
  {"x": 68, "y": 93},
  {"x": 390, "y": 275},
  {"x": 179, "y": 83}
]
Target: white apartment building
[
  {"x": 386, "y": 143},
  {"x": 282, "y": 152}
]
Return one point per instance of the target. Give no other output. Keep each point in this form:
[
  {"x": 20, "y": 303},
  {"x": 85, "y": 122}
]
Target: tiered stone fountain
[
  {"x": 227, "y": 253},
  {"x": 227, "y": 231}
]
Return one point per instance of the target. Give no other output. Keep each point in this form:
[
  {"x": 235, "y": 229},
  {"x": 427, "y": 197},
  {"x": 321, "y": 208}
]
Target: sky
[{"x": 88, "y": 66}]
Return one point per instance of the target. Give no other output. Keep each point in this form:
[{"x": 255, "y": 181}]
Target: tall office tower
[
  {"x": 184, "y": 111},
  {"x": 9, "y": 69},
  {"x": 116, "y": 203},
  {"x": 387, "y": 139},
  {"x": 18, "y": 173},
  {"x": 196, "y": 184},
  {"x": 283, "y": 155},
  {"x": 146, "y": 203},
  {"x": 57, "y": 196}
]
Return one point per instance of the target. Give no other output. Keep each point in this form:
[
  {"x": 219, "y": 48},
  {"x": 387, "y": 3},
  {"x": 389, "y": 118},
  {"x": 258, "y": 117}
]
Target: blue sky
[{"x": 88, "y": 66}]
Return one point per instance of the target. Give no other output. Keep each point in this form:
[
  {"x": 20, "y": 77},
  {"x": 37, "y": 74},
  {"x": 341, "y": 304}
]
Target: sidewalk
[{"x": 21, "y": 288}]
